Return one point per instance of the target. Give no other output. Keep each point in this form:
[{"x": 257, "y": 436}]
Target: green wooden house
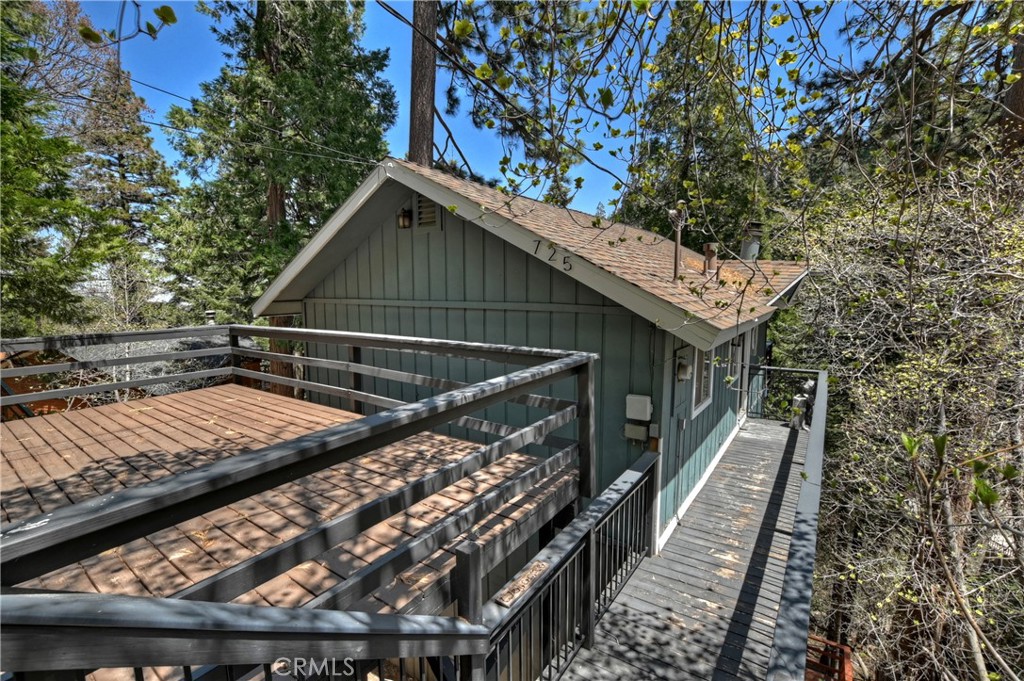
[{"x": 418, "y": 252}]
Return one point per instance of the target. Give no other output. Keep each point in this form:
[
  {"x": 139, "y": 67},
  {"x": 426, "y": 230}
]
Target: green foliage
[
  {"x": 524, "y": 69},
  {"x": 277, "y": 141},
  {"x": 123, "y": 177},
  {"x": 695, "y": 146},
  {"x": 983, "y": 493},
  {"x": 50, "y": 238},
  {"x": 164, "y": 14}
]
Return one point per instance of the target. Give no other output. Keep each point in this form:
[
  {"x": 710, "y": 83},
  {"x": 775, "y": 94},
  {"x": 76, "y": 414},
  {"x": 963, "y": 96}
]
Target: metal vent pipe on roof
[
  {"x": 678, "y": 218},
  {"x": 710, "y": 258},
  {"x": 750, "y": 246}
]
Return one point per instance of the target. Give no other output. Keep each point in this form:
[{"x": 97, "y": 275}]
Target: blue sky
[{"x": 187, "y": 54}]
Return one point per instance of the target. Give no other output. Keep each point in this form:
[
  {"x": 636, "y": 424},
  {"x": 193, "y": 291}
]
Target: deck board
[
  {"x": 705, "y": 608},
  {"x": 57, "y": 459}
]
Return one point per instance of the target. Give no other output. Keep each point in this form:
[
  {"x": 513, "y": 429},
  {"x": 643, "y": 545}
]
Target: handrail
[
  {"x": 490, "y": 351},
  {"x": 35, "y": 370},
  {"x": 788, "y": 659},
  {"x": 131, "y": 631},
  {"x": 569, "y": 539},
  {"x": 583, "y": 568},
  {"x": 100, "y": 523},
  {"x": 505, "y": 354},
  {"x": 27, "y": 398},
  {"x": 99, "y": 631},
  {"x": 250, "y": 573},
  {"x": 128, "y": 631},
  {"x": 791, "y": 370},
  {"x": 772, "y": 390},
  {"x": 116, "y": 337}
]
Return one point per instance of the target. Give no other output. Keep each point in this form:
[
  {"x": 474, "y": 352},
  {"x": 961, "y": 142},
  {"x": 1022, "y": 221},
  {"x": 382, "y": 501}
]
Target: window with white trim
[{"x": 703, "y": 372}]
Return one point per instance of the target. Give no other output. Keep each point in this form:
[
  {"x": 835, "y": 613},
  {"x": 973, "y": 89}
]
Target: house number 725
[{"x": 553, "y": 255}]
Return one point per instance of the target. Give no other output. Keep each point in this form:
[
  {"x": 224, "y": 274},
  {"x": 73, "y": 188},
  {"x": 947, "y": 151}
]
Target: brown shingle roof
[{"x": 741, "y": 292}]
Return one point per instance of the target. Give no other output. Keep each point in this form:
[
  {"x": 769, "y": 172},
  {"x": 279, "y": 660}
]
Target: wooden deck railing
[
  {"x": 534, "y": 633},
  {"x": 47, "y": 631}
]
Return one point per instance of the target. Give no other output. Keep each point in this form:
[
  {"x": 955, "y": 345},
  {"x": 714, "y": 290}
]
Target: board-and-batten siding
[
  {"x": 462, "y": 283},
  {"x": 687, "y": 453}
]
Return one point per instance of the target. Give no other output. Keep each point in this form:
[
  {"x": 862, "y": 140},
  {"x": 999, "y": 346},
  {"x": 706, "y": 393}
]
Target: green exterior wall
[
  {"x": 690, "y": 441},
  {"x": 462, "y": 283}
]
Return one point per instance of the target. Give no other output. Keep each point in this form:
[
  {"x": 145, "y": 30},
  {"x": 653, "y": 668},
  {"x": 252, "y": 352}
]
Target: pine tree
[
  {"x": 695, "y": 145},
  {"x": 125, "y": 178},
  {"x": 49, "y": 238},
  {"x": 278, "y": 140}
]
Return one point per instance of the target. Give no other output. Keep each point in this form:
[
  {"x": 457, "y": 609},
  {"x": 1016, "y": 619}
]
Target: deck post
[
  {"x": 355, "y": 355},
  {"x": 467, "y": 582},
  {"x": 590, "y": 590},
  {"x": 654, "y": 526},
  {"x": 236, "y": 359},
  {"x": 587, "y": 430}
]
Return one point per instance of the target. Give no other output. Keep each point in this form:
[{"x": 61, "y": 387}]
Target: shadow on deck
[{"x": 707, "y": 606}]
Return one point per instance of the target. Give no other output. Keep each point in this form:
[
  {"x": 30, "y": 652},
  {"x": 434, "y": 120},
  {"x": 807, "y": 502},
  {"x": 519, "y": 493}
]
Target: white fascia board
[
  {"x": 792, "y": 286},
  {"x": 733, "y": 331},
  {"x": 283, "y": 307},
  {"x": 320, "y": 240},
  {"x": 650, "y": 307}
]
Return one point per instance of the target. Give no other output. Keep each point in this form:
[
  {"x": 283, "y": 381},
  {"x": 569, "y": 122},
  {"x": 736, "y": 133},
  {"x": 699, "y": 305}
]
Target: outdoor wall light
[
  {"x": 684, "y": 370},
  {"x": 405, "y": 219}
]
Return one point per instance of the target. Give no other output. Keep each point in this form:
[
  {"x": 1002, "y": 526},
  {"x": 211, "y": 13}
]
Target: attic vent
[{"x": 425, "y": 214}]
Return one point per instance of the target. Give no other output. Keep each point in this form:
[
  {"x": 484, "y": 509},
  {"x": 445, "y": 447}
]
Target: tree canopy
[
  {"x": 881, "y": 142},
  {"x": 51, "y": 238},
  {"x": 277, "y": 141}
]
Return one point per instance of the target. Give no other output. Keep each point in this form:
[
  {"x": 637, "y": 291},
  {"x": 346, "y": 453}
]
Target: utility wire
[
  {"x": 193, "y": 102},
  {"x": 432, "y": 40},
  {"x": 260, "y": 145}
]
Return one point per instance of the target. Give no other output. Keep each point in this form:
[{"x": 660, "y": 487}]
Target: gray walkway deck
[{"x": 706, "y": 607}]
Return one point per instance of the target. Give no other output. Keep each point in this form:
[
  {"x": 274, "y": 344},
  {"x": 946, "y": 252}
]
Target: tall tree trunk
[
  {"x": 275, "y": 206},
  {"x": 277, "y": 367},
  {"x": 266, "y": 48},
  {"x": 424, "y": 72}
]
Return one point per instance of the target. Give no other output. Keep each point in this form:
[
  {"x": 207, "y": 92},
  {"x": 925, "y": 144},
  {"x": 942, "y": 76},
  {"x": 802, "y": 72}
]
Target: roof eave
[
  {"x": 269, "y": 302},
  {"x": 659, "y": 312},
  {"x": 789, "y": 291}
]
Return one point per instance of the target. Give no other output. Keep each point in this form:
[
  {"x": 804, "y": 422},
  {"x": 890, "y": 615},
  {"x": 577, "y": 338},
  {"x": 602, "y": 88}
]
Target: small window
[{"x": 702, "y": 375}]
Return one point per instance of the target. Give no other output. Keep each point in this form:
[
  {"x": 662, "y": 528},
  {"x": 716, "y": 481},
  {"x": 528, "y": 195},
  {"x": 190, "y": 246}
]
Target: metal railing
[
  {"x": 780, "y": 393},
  {"x": 539, "y": 634},
  {"x": 534, "y": 635}
]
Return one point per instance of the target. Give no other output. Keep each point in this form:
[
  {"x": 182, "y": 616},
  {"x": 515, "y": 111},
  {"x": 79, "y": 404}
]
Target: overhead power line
[{"x": 193, "y": 102}]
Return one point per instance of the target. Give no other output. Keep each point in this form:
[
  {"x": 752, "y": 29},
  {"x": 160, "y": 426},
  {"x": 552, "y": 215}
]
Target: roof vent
[
  {"x": 750, "y": 247},
  {"x": 425, "y": 214},
  {"x": 711, "y": 259}
]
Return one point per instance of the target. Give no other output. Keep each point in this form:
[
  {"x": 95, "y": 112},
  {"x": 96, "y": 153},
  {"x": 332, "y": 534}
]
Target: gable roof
[{"x": 631, "y": 266}]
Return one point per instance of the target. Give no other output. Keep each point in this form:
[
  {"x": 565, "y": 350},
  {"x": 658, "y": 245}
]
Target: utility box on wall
[{"x": 639, "y": 407}]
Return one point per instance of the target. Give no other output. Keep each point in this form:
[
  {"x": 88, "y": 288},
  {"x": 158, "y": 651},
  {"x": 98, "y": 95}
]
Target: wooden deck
[
  {"x": 706, "y": 607},
  {"x": 60, "y": 459}
]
